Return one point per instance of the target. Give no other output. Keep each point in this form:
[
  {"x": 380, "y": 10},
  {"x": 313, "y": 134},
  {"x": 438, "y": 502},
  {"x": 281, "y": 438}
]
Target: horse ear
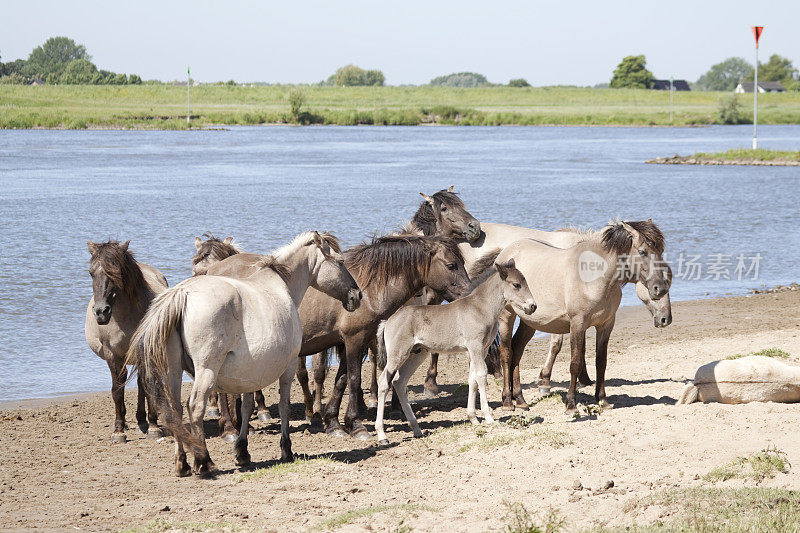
[
  {"x": 451, "y": 188},
  {"x": 125, "y": 245},
  {"x": 228, "y": 240},
  {"x": 198, "y": 242},
  {"x": 93, "y": 247},
  {"x": 510, "y": 264},
  {"x": 502, "y": 269},
  {"x": 317, "y": 238},
  {"x": 427, "y": 198},
  {"x": 637, "y": 238}
]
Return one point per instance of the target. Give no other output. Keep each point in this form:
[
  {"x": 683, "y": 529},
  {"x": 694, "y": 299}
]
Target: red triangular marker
[{"x": 757, "y": 30}]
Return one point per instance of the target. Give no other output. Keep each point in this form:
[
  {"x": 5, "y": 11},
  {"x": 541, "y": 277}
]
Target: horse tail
[
  {"x": 689, "y": 394},
  {"x": 493, "y": 357},
  {"x": 380, "y": 357},
  {"x": 148, "y": 351}
]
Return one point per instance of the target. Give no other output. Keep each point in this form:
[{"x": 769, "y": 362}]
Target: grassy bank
[
  {"x": 164, "y": 107},
  {"x": 736, "y": 156}
]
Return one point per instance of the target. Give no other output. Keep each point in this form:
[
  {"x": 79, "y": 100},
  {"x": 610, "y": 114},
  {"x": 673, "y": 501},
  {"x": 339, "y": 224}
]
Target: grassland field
[{"x": 164, "y": 106}]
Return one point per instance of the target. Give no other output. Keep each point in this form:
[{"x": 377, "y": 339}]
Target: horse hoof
[
  {"x": 544, "y": 390},
  {"x": 118, "y": 438},
  {"x": 212, "y": 412},
  {"x": 372, "y": 403},
  {"x": 507, "y": 407},
  {"x": 336, "y": 432},
  {"x": 229, "y": 438},
  {"x": 143, "y": 428},
  {"x": 523, "y": 405},
  {"x": 243, "y": 460},
  {"x": 183, "y": 471},
  {"x": 207, "y": 470},
  {"x": 155, "y": 433},
  {"x": 429, "y": 394},
  {"x": 361, "y": 434},
  {"x": 264, "y": 416},
  {"x": 605, "y": 405},
  {"x": 383, "y": 442}
]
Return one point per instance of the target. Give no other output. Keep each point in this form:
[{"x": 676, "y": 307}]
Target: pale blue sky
[{"x": 555, "y": 42}]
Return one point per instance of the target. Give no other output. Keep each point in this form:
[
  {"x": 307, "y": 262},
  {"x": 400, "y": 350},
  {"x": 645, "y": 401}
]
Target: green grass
[
  {"x": 164, "y": 106},
  {"x": 767, "y": 352},
  {"x": 342, "y": 519},
  {"x": 719, "y": 510},
  {"x": 746, "y": 154},
  {"x": 283, "y": 469},
  {"x": 757, "y": 466},
  {"x": 519, "y": 520},
  {"x": 162, "y": 524}
]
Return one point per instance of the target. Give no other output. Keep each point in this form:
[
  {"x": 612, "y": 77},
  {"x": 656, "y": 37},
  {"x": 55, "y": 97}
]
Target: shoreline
[
  {"x": 623, "y": 313},
  {"x": 693, "y": 160}
]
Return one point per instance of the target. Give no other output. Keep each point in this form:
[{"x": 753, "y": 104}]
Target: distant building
[
  {"x": 678, "y": 85},
  {"x": 37, "y": 81},
  {"x": 763, "y": 87}
]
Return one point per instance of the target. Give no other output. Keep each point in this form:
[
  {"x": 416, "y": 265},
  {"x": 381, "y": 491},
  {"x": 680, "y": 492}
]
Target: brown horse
[
  {"x": 442, "y": 214},
  {"x": 122, "y": 290}
]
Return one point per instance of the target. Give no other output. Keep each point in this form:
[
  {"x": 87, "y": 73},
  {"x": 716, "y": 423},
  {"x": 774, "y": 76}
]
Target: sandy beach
[{"x": 59, "y": 470}]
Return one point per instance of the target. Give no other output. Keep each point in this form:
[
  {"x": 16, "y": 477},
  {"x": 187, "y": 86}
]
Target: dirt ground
[{"x": 59, "y": 470}]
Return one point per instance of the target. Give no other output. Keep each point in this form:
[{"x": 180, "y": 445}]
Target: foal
[
  {"x": 122, "y": 291},
  {"x": 468, "y": 324}
]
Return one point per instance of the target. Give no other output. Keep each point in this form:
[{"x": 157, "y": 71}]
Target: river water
[{"x": 264, "y": 185}]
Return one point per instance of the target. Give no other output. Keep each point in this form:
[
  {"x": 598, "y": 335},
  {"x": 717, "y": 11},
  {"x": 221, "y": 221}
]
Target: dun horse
[
  {"x": 468, "y": 324},
  {"x": 580, "y": 287},
  {"x": 238, "y": 335},
  {"x": 122, "y": 290}
]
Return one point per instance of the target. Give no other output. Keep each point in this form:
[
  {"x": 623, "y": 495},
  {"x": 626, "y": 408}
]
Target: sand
[{"x": 59, "y": 470}]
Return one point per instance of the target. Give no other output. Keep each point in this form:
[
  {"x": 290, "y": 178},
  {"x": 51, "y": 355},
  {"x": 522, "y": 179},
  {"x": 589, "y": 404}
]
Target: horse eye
[
  {"x": 517, "y": 286},
  {"x": 451, "y": 266},
  {"x": 643, "y": 253},
  {"x": 444, "y": 208}
]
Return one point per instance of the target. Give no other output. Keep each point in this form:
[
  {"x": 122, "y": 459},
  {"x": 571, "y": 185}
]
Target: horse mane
[
  {"x": 425, "y": 218},
  {"x": 482, "y": 267},
  {"x": 389, "y": 257},
  {"x": 618, "y": 240},
  {"x": 585, "y": 233},
  {"x": 118, "y": 263},
  {"x": 304, "y": 239},
  {"x": 215, "y": 247}
]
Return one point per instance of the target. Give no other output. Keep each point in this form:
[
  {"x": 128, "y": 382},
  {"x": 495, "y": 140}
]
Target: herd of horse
[{"x": 244, "y": 321}]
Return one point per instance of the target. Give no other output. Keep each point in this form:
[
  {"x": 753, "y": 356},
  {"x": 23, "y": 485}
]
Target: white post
[
  {"x": 755, "y": 103},
  {"x": 188, "y": 85},
  {"x": 671, "y": 89}
]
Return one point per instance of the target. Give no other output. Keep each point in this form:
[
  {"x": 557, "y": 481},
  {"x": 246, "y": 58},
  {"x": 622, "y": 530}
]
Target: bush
[
  {"x": 519, "y": 82},
  {"x": 15, "y": 78},
  {"x": 134, "y": 79},
  {"x": 297, "y": 99},
  {"x": 632, "y": 73},
  {"x": 460, "y": 79},
  {"x": 79, "y": 72},
  {"x": 728, "y": 110}
]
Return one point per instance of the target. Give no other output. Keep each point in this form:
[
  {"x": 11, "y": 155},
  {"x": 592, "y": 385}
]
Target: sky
[{"x": 574, "y": 42}]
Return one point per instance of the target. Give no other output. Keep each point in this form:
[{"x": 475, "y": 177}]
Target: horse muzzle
[
  {"x": 353, "y": 300},
  {"x": 473, "y": 231},
  {"x": 529, "y": 308},
  {"x": 662, "y": 321}
]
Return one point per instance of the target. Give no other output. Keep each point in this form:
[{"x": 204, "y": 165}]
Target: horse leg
[
  {"x": 261, "y": 406},
  {"x": 174, "y": 378},
  {"x": 505, "y": 331},
  {"x": 384, "y": 379},
  {"x": 240, "y": 447},
  {"x": 330, "y": 419},
  {"x": 556, "y": 341},
  {"x": 601, "y": 356},
  {"x": 141, "y": 412},
  {"x": 213, "y": 409},
  {"x": 119, "y": 373},
  {"x": 373, "y": 383},
  {"x": 302, "y": 378},
  {"x": 150, "y": 426},
  {"x": 577, "y": 340},
  {"x": 431, "y": 387},
  {"x": 285, "y": 388},
  {"x": 354, "y": 348},
  {"x": 521, "y": 338},
  {"x": 320, "y": 364},
  {"x": 477, "y": 365},
  {"x": 204, "y": 380},
  {"x": 400, "y": 386},
  {"x": 227, "y": 429}
]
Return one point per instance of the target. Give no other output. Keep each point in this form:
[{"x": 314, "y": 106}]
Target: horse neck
[
  {"x": 488, "y": 296},
  {"x": 385, "y": 302},
  {"x": 300, "y": 266}
]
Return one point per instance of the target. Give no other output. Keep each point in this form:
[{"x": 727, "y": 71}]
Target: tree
[
  {"x": 54, "y": 55},
  {"x": 460, "y": 79},
  {"x": 519, "y": 82},
  {"x": 778, "y": 68},
  {"x": 725, "y": 76},
  {"x": 632, "y": 73},
  {"x": 352, "y": 75},
  {"x": 79, "y": 72},
  {"x": 134, "y": 79}
]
